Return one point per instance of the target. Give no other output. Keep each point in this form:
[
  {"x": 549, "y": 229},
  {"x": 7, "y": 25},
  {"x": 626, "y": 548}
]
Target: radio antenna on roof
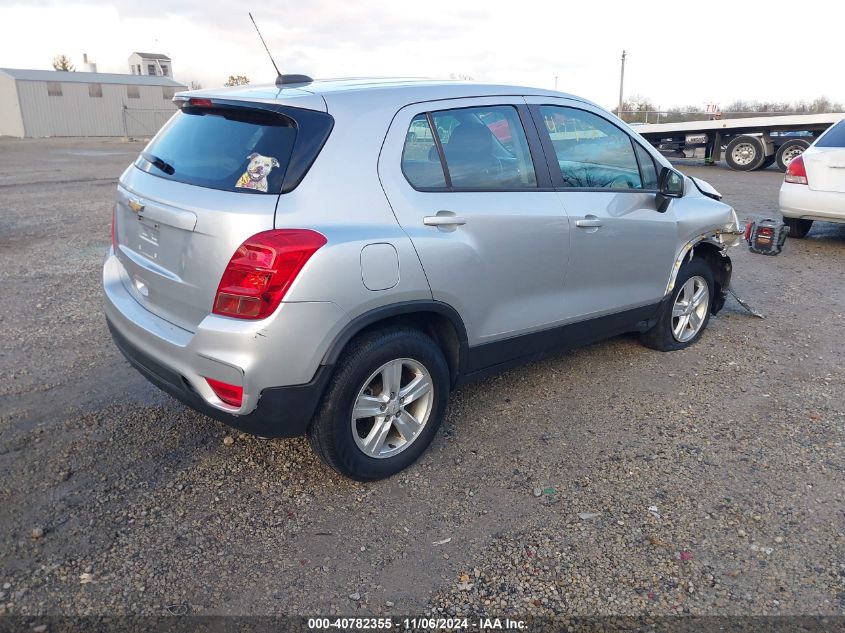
[
  {"x": 281, "y": 79},
  {"x": 272, "y": 61}
]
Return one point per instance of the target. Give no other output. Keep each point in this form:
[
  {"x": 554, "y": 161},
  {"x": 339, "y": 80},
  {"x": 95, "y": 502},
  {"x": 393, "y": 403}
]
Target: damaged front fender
[{"x": 712, "y": 246}]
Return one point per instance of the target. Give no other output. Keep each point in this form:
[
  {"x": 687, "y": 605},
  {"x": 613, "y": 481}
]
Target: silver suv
[{"x": 334, "y": 257}]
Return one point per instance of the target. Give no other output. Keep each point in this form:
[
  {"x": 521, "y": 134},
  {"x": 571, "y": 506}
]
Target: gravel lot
[{"x": 610, "y": 480}]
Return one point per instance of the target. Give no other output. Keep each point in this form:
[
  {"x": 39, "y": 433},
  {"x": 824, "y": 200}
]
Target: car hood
[{"x": 706, "y": 188}]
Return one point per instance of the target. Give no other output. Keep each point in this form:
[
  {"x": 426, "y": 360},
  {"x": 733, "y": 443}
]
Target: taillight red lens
[
  {"x": 261, "y": 271},
  {"x": 796, "y": 172},
  {"x": 200, "y": 103},
  {"x": 230, "y": 394}
]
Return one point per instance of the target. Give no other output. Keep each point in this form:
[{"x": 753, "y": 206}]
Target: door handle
[
  {"x": 589, "y": 221},
  {"x": 444, "y": 220}
]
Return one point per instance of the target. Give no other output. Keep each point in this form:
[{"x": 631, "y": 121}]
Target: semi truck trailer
[{"x": 746, "y": 144}]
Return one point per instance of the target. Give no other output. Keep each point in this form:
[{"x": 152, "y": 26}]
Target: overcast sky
[{"x": 679, "y": 53}]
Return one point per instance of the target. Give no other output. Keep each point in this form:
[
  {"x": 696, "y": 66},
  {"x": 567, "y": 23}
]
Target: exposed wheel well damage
[
  {"x": 712, "y": 248},
  {"x": 721, "y": 266}
]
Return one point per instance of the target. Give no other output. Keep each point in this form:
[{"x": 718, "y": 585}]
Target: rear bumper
[
  {"x": 280, "y": 412},
  {"x": 799, "y": 201},
  {"x": 277, "y": 361}
]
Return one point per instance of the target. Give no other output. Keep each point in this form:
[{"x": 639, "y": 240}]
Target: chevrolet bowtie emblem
[{"x": 136, "y": 206}]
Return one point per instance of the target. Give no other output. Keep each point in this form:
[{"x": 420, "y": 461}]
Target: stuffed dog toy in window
[{"x": 255, "y": 176}]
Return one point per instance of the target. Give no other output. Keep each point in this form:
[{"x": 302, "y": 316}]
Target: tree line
[{"x": 639, "y": 109}]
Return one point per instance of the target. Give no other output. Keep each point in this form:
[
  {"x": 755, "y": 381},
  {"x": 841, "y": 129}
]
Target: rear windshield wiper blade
[{"x": 163, "y": 165}]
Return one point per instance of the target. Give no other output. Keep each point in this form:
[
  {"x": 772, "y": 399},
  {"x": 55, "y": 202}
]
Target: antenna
[
  {"x": 281, "y": 80},
  {"x": 272, "y": 61}
]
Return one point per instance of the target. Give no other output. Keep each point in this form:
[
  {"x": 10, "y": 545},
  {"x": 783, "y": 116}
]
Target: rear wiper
[{"x": 163, "y": 165}]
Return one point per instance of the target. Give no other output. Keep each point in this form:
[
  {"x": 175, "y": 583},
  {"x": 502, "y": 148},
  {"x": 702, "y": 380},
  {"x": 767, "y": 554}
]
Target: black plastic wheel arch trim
[{"x": 359, "y": 323}]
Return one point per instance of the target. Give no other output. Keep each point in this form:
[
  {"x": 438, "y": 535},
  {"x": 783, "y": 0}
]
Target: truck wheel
[
  {"x": 745, "y": 153},
  {"x": 798, "y": 228},
  {"x": 384, "y": 404},
  {"x": 767, "y": 162},
  {"x": 788, "y": 151}
]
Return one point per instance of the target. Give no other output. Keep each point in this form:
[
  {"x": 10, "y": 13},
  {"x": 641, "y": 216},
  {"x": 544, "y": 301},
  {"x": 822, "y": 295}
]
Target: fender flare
[{"x": 359, "y": 323}]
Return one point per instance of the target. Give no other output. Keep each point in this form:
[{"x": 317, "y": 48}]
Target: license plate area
[{"x": 148, "y": 238}]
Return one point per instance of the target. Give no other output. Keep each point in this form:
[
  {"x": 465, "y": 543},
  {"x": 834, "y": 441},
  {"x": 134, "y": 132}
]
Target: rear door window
[
  {"x": 485, "y": 148},
  {"x": 591, "y": 152},
  {"x": 834, "y": 137},
  {"x": 420, "y": 160},
  {"x": 230, "y": 149}
]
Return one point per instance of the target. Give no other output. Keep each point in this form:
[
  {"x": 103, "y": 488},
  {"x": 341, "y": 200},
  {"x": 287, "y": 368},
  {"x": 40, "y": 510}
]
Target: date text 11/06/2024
[{"x": 416, "y": 624}]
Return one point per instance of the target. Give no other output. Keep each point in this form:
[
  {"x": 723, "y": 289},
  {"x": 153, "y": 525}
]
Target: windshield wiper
[{"x": 163, "y": 165}]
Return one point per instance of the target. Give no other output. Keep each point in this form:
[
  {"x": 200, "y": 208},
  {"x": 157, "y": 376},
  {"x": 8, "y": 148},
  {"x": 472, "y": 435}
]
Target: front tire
[
  {"x": 384, "y": 404},
  {"x": 685, "y": 316},
  {"x": 798, "y": 228}
]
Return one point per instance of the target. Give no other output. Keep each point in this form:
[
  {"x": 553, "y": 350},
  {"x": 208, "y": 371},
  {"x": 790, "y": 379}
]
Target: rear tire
[
  {"x": 406, "y": 418},
  {"x": 670, "y": 333},
  {"x": 798, "y": 228},
  {"x": 788, "y": 151},
  {"x": 745, "y": 153}
]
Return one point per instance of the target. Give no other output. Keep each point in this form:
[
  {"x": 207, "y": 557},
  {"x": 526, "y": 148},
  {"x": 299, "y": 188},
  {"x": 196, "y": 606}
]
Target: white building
[
  {"x": 36, "y": 103},
  {"x": 151, "y": 64}
]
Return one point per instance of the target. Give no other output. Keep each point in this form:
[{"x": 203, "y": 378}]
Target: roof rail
[{"x": 284, "y": 80}]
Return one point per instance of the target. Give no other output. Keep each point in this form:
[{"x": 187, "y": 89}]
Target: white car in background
[{"x": 814, "y": 185}]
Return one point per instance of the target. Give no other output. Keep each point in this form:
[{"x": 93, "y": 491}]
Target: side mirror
[{"x": 671, "y": 186}]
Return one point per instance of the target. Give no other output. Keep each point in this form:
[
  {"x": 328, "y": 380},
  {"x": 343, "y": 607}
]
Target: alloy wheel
[
  {"x": 690, "y": 309},
  {"x": 392, "y": 408}
]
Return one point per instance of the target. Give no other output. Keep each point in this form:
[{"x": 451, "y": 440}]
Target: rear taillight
[
  {"x": 261, "y": 271},
  {"x": 232, "y": 395},
  {"x": 796, "y": 173}
]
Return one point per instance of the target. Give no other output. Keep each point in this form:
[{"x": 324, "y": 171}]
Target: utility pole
[
  {"x": 621, "y": 86},
  {"x": 555, "y": 82}
]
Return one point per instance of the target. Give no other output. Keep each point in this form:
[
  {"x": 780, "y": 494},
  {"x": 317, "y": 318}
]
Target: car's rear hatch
[
  {"x": 210, "y": 179},
  {"x": 825, "y": 161}
]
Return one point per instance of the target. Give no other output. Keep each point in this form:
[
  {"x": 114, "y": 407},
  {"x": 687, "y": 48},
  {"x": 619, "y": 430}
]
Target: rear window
[
  {"x": 230, "y": 149},
  {"x": 835, "y": 136}
]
